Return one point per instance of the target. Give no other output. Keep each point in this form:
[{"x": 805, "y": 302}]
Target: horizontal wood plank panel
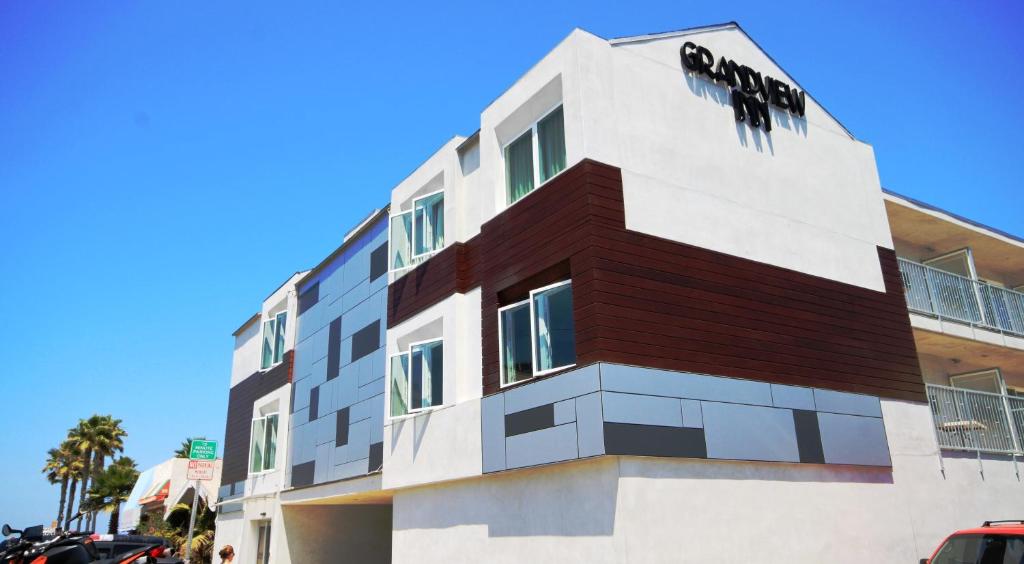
[
  {"x": 239, "y": 422},
  {"x": 647, "y": 301}
]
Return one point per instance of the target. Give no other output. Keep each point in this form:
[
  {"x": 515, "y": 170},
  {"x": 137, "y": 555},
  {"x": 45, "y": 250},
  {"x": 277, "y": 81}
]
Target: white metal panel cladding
[{"x": 664, "y": 413}]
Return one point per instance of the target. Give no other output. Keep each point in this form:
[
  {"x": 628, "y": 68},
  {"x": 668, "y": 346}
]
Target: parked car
[
  {"x": 994, "y": 542},
  {"x": 111, "y": 546}
]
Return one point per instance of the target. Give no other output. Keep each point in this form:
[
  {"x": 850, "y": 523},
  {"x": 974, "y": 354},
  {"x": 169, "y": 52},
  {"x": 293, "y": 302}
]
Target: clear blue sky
[{"x": 163, "y": 167}]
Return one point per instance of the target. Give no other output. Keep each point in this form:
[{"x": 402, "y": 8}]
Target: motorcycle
[{"x": 33, "y": 547}]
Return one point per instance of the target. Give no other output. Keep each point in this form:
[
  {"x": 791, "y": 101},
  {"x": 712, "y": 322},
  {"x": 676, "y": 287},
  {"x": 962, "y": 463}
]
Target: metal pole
[{"x": 192, "y": 521}]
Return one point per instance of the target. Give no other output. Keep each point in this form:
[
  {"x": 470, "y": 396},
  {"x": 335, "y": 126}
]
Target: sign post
[{"x": 201, "y": 457}]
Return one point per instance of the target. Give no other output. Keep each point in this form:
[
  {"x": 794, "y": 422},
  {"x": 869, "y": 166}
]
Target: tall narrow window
[
  {"x": 279, "y": 336},
  {"x": 399, "y": 384},
  {"x": 263, "y": 444},
  {"x": 516, "y": 360},
  {"x": 417, "y": 378},
  {"x": 273, "y": 340},
  {"x": 519, "y": 167},
  {"x": 401, "y": 240},
  {"x": 256, "y": 444},
  {"x": 551, "y": 142},
  {"x": 426, "y": 388},
  {"x": 269, "y": 336},
  {"x": 428, "y": 224},
  {"x": 263, "y": 543},
  {"x": 553, "y": 330},
  {"x": 537, "y": 335},
  {"x": 535, "y": 156}
]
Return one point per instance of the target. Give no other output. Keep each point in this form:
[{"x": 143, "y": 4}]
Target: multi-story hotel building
[{"x": 654, "y": 310}]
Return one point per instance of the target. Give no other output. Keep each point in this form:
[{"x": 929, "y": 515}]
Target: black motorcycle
[{"x": 33, "y": 546}]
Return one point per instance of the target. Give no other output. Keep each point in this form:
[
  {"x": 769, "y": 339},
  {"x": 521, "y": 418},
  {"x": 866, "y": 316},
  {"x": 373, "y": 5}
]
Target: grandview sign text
[{"x": 751, "y": 93}]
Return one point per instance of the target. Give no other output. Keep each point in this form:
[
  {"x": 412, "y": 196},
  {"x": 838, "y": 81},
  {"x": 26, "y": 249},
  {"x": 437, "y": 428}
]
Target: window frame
[
  {"x": 534, "y": 373},
  {"x": 273, "y": 346},
  {"x": 535, "y": 142},
  {"x": 412, "y": 210},
  {"x": 408, "y": 354},
  {"x": 391, "y": 219},
  {"x": 252, "y": 425}
]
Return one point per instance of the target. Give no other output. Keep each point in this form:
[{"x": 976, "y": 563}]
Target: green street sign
[{"x": 203, "y": 450}]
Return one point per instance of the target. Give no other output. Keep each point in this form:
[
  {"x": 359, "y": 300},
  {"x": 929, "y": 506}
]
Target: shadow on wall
[
  {"x": 534, "y": 502},
  {"x": 338, "y": 533},
  {"x": 580, "y": 498},
  {"x": 689, "y": 469},
  {"x": 419, "y": 426},
  {"x": 761, "y": 139}
]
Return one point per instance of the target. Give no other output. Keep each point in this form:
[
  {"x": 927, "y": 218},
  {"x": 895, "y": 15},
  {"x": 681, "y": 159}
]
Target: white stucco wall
[
  {"x": 632, "y": 509},
  {"x": 805, "y": 196}
]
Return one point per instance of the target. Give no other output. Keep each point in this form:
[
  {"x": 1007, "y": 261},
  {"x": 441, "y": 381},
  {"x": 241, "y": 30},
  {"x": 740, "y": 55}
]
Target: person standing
[{"x": 227, "y": 554}]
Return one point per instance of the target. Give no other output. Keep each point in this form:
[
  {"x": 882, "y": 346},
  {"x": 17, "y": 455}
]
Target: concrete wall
[
  {"x": 329, "y": 534},
  {"x": 634, "y": 509}
]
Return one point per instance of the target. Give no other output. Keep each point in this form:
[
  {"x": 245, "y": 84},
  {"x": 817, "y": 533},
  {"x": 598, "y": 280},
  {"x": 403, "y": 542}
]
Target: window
[
  {"x": 544, "y": 144},
  {"x": 273, "y": 340},
  {"x": 263, "y": 444},
  {"x": 537, "y": 335},
  {"x": 972, "y": 548},
  {"x": 418, "y": 232},
  {"x": 417, "y": 378}
]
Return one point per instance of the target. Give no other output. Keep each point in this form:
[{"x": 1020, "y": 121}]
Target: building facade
[{"x": 657, "y": 299}]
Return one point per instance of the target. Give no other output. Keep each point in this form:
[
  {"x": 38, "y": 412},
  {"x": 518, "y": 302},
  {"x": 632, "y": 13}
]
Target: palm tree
[
  {"x": 58, "y": 470},
  {"x": 76, "y": 472},
  {"x": 97, "y": 437},
  {"x": 202, "y": 536},
  {"x": 111, "y": 488},
  {"x": 107, "y": 441},
  {"x": 186, "y": 446}
]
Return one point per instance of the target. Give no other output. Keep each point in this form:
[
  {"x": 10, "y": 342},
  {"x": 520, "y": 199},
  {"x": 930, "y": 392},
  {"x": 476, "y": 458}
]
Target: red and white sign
[{"x": 200, "y": 469}]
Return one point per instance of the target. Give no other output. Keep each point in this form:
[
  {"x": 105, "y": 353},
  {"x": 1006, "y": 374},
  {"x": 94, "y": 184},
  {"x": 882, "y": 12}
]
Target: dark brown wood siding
[
  {"x": 240, "y": 401},
  {"x": 647, "y": 301}
]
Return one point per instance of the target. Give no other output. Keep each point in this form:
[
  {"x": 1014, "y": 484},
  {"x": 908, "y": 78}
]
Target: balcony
[
  {"x": 951, "y": 297},
  {"x": 977, "y": 421}
]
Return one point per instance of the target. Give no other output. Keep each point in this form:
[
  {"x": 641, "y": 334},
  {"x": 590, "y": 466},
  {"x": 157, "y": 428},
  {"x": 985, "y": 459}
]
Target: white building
[{"x": 654, "y": 310}]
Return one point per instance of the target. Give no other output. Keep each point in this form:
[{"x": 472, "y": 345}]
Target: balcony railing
[
  {"x": 957, "y": 298},
  {"x": 976, "y": 421}
]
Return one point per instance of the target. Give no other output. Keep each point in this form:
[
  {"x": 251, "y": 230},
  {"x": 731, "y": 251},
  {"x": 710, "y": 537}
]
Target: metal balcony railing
[
  {"x": 976, "y": 421},
  {"x": 958, "y": 298}
]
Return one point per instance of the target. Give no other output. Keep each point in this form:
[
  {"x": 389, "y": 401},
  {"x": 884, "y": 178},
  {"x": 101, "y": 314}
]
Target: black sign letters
[{"x": 751, "y": 93}]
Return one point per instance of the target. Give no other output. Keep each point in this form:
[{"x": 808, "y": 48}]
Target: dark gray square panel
[
  {"x": 808, "y": 436},
  {"x": 302, "y": 474},
  {"x": 366, "y": 340},
  {"x": 309, "y": 298},
  {"x": 378, "y": 262},
  {"x": 341, "y": 428}
]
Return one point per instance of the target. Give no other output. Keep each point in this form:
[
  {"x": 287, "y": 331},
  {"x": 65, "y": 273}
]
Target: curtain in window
[
  {"x": 279, "y": 337},
  {"x": 256, "y": 445},
  {"x": 270, "y": 446},
  {"x": 551, "y": 144},
  {"x": 429, "y": 224},
  {"x": 401, "y": 240},
  {"x": 399, "y": 385},
  {"x": 268, "y": 343},
  {"x": 519, "y": 167},
  {"x": 556, "y": 340},
  {"x": 517, "y": 363}
]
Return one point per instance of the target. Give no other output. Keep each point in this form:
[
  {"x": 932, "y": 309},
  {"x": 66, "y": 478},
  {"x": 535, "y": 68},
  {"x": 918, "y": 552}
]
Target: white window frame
[
  {"x": 252, "y": 426},
  {"x": 412, "y": 210},
  {"x": 413, "y": 262},
  {"x": 408, "y": 354},
  {"x": 997, "y": 378},
  {"x": 391, "y": 219},
  {"x": 535, "y": 147},
  {"x": 273, "y": 346},
  {"x": 533, "y": 338}
]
